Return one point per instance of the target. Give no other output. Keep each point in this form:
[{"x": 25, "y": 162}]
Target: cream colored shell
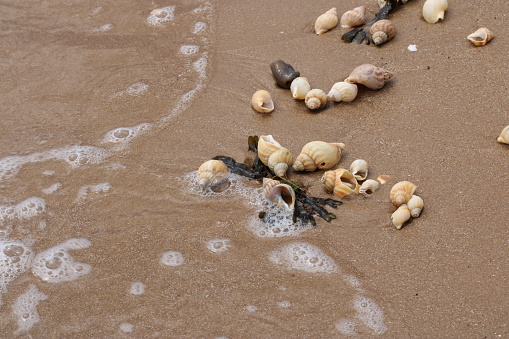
[
  {"x": 415, "y": 205},
  {"x": 299, "y": 88},
  {"x": 326, "y": 21},
  {"x": 400, "y": 216},
  {"x": 433, "y": 10},
  {"x": 262, "y": 101},
  {"x": 402, "y": 192},
  {"x": 359, "y": 169},
  {"x": 504, "y": 136},
  {"x": 318, "y": 155},
  {"x": 368, "y": 187},
  {"x": 340, "y": 182},
  {"x": 213, "y": 174},
  {"x": 481, "y": 37},
  {"x": 281, "y": 194},
  {"x": 370, "y": 76},
  {"x": 353, "y": 18},
  {"x": 273, "y": 155},
  {"x": 343, "y": 91},
  {"x": 315, "y": 99},
  {"x": 382, "y": 31}
]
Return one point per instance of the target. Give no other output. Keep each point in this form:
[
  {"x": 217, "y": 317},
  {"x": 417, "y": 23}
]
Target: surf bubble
[
  {"x": 199, "y": 27},
  {"x": 370, "y": 313},
  {"x": 346, "y": 326},
  {"x": 161, "y": 15},
  {"x": 200, "y": 66},
  {"x": 102, "y": 187},
  {"x": 137, "y": 288},
  {"x": 251, "y": 308},
  {"x": 172, "y": 258},
  {"x": 57, "y": 265},
  {"x": 25, "y": 308},
  {"x": 103, "y": 28},
  {"x": 52, "y": 188},
  {"x": 126, "y": 327},
  {"x": 218, "y": 245},
  {"x": 15, "y": 258},
  {"x": 304, "y": 257},
  {"x": 78, "y": 155},
  {"x": 26, "y": 209},
  {"x": 9, "y": 166},
  {"x": 284, "y": 304},
  {"x": 189, "y": 49},
  {"x": 137, "y": 88},
  {"x": 125, "y": 134}
]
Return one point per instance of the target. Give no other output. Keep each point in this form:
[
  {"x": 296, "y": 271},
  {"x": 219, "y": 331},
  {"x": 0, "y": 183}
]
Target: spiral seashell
[
  {"x": 382, "y": 31},
  {"x": 300, "y": 87},
  {"x": 343, "y": 91},
  {"x": 283, "y": 73},
  {"x": 340, "y": 182},
  {"x": 400, "y": 216},
  {"x": 481, "y": 37},
  {"x": 402, "y": 192},
  {"x": 279, "y": 193},
  {"x": 359, "y": 169},
  {"x": 368, "y": 187},
  {"x": 318, "y": 154},
  {"x": 273, "y": 155},
  {"x": 415, "y": 205},
  {"x": 262, "y": 102},
  {"x": 433, "y": 10},
  {"x": 213, "y": 174},
  {"x": 326, "y": 21},
  {"x": 370, "y": 76},
  {"x": 353, "y": 18},
  {"x": 316, "y": 98},
  {"x": 504, "y": 136}
]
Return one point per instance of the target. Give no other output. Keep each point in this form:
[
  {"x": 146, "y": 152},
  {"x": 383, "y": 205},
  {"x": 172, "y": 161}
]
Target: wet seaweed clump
[{"x": 305, "y": 208}]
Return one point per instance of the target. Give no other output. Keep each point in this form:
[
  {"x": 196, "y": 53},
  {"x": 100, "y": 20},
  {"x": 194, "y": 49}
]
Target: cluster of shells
[{"x": 409, "y": 204}]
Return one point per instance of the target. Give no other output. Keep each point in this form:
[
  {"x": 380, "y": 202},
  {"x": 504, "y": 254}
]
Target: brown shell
[
  {"x": 382, "y": 31},
  {"x": 370, "y": 76}
]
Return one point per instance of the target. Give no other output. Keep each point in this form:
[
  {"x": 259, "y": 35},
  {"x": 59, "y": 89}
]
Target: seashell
[
  {"x": 368, "y": 187},
  {"x": 279, "y": 193},
  {"x": 262, "y": 102},
  {"x": 283, "y": 73},
  {"x": 300, "y": 87},
  {"x": 382, "y": 31},
  {"x": 326, "y": 21},
  {"x": 381, "y": 3},
  {"x": 316, "y": 98},
  {"x": 402, "y": 192},
  {"x": 433, "y": 10},
  {"x": 343, "y": 91},
  {"x": 359, "y": 169},
  {"x": 504, "y": 136},
  {"x": 318, "y": 154},
  {"x": 213, "y": 174},
  {"x": 353, "y": 18},
  {"x": 341, "y": 182},
  {"x": 415, "y": 205},
  {"x": 273, "y": 155},
  {"x": 481, "y": 37},
  {"x": 400, "y": 216},
  {"x": 370, "y": 76}
]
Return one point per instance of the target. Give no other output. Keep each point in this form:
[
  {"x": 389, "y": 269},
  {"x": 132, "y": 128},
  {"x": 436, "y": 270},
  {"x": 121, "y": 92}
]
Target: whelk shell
[
  {"x": 353, "y": 18},
  {"x": 370, "y": 76},
  {"x": 273, "y": 155},
  {"x": 262, "y": 101},
  {"x": 433, "y": 10},
  {"x": 481, "y": 37},
  {"x": 300, "y": 87},
  {"x": 318, "y": 154},
  {"x": 359, "y": 169},
  {"x": 326, "y": 21},
  {"x": 213, "y": 174},
  {"x": 315, "y": 99},
  {"x": 368, "y": 187},
  {"x": 283, "y": 73},
  {"x": 279, "y": 193},
  {"x": 504, "y": 136},
  {"x": 343, "y": 91},
  {"x": 400, "y": 216},
  {"x": 402, "y": 192},
  {"x": 382, "y": 31},
  {"x": 415, "y": 205},
  {"x": 340, "y": 182}
]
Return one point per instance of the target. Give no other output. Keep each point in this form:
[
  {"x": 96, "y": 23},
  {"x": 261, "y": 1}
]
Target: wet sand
[{"x": 443, "y": 275}]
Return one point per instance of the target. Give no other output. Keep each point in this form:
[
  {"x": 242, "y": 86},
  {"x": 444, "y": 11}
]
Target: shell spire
[
  {"x": 343, "y": 91},
  {"x": 318, "y": 155},
  {"x": 315, "y": 99},
  {"x": 326, "y": 21},
  {"x": 402, "y": 192},
  {"x": 370, "y": 76},
  {"x": 273, "y": 155},
  {"x": 213, "y": 174},
  {"x": 382, "y": 31},
  {"x": 415, "y": 205}
]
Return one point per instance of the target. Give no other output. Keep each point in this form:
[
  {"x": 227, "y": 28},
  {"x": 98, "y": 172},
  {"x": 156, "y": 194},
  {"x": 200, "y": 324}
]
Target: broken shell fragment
[
  {"x": 262, "y": 101},
  {"x": 481, "y": 37},
  {"x": 415, "y": 205},
  {"x": 400, "y": 216},
  {"x": 368, "y": 187},
  {"x": 433, "y": 10},
  {"x": 315, "y": 99},
  {"x": 273, "y": 155},
  {"x": 281, "y": 194},
  {"x": 402, "y": 192},
  {"x": 359, "y": 169},
  {"x": 343, "y": 91},
  {"x": 340, "y": 182},
  {"x": 213, "y": 174},
  {"x": 382, "y": 31},
  {"x": 300, "y": 87},
  {"x": 504, "y": 136},
  {"x": 318, "y": 155},
  {"x": 326, "y": 21},
  {"x": 370, "y": 76},
  {"x": 353, "y": 18},
  {"x": 283, "y": 73}
]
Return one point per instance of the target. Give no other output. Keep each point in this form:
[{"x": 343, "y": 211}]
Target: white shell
[
  {"x": 359, "y": 169},
  {"x": 299, "y": 88},
  {"x": 326, "y": 21},
  {"x": 481, "y": 37},
  {"x": 262, "y": 102},
  {"x": 316, "y": 98},
  {"x": 415, "y": 205},
  {"x": 279, "y": 193},
  {"x": 368, "y": 187},
  {"x": 504, "y": 136},
  {"x": 433, "y": 10},
  {"x": 343, "y": 91},
  {"x": 353, "y": 18},
  {"x": 400, "y": 216}
]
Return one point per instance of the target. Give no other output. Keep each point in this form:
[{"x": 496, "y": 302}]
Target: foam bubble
[
  {"x": 161, "y": 15},
  {"x": 52, "y": 189},
  {"x": 57, "y": 265},
  {"x": 172, "y": 258},
  {"x": 200, "y": 66},
  {"x": 303, "y": 256},
  {"x": 251, "y": 308},
  {"x": 137, "y": 288},
  {"x": 346, "y": 326},
  {"x": 126, "y": 327},
  {"x": 284, "y": 304},
  {"x": 103, "y": 28},
  {"x": 102, "y": 187},
  {"x": 199, "y": 27},
  {"x": 137, "y": 89},
  {"x": 189, "y": 49},
  {"x": 369, "y": 313},
  {"x": 48, "y": 173},
  {"x": 25, "y": 308},
  {"x": 218, "y": 245},
  {"x": 125, "y": 134},
  {"x": 26, "y": 209},
  {"x": 15, "y": 258}
]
